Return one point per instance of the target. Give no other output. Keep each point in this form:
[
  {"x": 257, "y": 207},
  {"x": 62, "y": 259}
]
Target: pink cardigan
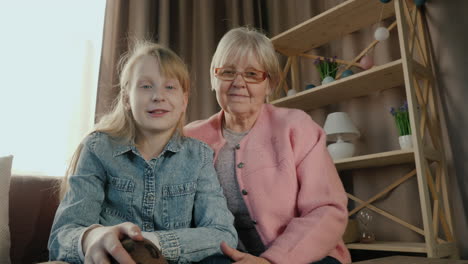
[{"x": 290, "y": 184}]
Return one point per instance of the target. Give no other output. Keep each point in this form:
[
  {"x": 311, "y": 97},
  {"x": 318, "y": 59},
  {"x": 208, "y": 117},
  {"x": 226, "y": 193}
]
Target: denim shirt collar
[{"x": 174, "y": 145}]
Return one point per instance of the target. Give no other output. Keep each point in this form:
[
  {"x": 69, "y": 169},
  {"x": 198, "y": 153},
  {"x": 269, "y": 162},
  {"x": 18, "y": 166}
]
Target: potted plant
[
  {"x": 327, "y": 67},
  {"x": 402, "y": 122}
]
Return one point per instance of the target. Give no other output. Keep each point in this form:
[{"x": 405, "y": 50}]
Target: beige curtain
[
  {"x": 114, "y": 43},
  {"x": 193, "y": 28},
  {"x": 190, "y": 28}
]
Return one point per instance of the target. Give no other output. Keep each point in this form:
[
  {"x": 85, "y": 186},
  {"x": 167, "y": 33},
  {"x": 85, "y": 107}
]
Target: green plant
[
  {"x": 326, "y": 67},
  {"x": 401, "y": 117}
]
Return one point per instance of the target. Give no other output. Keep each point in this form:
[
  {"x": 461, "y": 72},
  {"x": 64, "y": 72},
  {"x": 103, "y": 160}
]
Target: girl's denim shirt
[{"x": 176, "y": 195}]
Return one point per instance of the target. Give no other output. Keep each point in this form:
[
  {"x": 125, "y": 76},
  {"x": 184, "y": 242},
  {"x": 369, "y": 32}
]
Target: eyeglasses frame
[{"x": 264, "y": 75}]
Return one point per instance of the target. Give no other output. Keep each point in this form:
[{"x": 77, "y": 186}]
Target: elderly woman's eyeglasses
[{"x": 250, "y": 76}]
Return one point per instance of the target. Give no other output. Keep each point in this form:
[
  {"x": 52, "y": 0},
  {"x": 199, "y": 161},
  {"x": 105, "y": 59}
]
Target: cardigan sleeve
[{"x": 321, "y": 200}]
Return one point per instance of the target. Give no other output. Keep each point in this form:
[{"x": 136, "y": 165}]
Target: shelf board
[
  {"x": 340, "y": 20},
  {"x": 375, "y": 79},
  {"x": 411, "y": 260},
  {"x": 390, "y": 246},
  {"x": 381, "y": 159}
]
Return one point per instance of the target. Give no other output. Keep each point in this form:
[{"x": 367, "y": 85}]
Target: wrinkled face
[
  {"x": 156, "y": 102},
  {"x": 237, "y": 97}
]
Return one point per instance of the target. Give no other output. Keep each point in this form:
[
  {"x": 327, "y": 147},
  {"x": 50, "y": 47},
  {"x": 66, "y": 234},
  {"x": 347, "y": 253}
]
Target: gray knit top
[{"x": 249, "y": 240}]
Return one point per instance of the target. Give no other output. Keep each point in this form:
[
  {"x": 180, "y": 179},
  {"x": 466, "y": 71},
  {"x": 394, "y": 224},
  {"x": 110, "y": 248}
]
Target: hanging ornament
[
  {"x": 291, "y": 92},
  {"x": 347, "y": 73},
  {"x": 381, "y": 33},
  {"x": 385, "y": 1},
  {"x": 367, "y": 62},
  {"x": 419, "y": 3}
]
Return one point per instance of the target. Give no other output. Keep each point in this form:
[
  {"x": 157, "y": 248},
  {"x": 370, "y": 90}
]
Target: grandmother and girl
[{"x": 254, "y": 183}]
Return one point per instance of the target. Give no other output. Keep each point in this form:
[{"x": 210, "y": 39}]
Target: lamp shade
[{"x": 338, "y": 125}]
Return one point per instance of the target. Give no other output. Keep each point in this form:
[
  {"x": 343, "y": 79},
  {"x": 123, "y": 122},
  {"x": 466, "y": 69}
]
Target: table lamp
[{"x": 339, "y": 127}]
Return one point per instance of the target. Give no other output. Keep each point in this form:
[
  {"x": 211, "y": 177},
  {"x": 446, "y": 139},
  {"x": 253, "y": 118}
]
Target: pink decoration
[{"x": 367, "y": 62}]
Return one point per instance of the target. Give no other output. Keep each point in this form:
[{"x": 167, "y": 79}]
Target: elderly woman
[{"x": 278, "y": 178}]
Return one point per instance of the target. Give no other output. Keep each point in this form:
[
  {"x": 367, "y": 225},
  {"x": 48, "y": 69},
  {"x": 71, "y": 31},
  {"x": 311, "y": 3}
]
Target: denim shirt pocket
[
  {"x": 119, "y": 198},
  {"x": 178, "y": 201}
]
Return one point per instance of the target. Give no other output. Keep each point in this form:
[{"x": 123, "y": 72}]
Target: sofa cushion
[
  {"x": 33, "y": 202},
  {"x": 5, "y": 174}
]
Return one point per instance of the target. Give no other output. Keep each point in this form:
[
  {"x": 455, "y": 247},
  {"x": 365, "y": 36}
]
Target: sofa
[{"x": 33, "y": 201}]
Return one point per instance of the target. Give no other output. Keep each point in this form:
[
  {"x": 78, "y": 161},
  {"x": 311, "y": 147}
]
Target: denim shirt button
[
  {"x": 146, "y": 226},
  {"x": 240, "y": 165},
  {"x": 150, "y": 196},
  {"x": 244, "y": 192}
]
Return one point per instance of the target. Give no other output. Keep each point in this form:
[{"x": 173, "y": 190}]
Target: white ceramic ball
[
  {"x": 381, "y": 34},
  {"x": 327, "y": 79},
  {"x": 292, "y": 92}
]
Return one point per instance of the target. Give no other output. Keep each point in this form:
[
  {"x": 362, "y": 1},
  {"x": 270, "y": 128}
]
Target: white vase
[{"x": 405, "y": 141}]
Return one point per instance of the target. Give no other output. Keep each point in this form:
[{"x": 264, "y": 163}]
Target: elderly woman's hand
[{"x": 240, "y": 257}]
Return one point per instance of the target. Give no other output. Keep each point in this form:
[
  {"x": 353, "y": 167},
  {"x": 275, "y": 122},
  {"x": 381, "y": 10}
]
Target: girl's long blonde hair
[{"x": 119, "y": 122}]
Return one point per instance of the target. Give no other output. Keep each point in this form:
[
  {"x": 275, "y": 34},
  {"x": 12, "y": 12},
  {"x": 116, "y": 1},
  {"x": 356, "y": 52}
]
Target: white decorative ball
[
  {"x": 327, "y": 79},
  {"x": 381, "y": 34},
  {"x": 291, "y": 92}
]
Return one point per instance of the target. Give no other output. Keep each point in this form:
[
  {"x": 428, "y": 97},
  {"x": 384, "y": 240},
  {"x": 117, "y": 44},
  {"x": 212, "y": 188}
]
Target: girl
[{"x": 137, "y": 176}]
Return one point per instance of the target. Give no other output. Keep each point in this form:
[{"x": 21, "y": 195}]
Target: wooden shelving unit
[
  {"x": 391, "y": 246},
  {"x": 376, "y": 160},
  {"x": 331, "y": 24},
  {"x": 364, "y": 83},
  {"x": 413, "y": 71}
]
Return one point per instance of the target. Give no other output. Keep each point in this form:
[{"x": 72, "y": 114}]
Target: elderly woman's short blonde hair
[{"x": 241, "y": 42}]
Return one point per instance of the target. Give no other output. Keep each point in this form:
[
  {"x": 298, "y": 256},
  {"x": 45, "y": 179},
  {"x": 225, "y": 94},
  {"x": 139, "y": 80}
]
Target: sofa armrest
[{"x": 33, "y": 202}]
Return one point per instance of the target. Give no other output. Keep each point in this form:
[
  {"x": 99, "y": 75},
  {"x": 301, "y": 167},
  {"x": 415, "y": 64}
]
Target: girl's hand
[
  {"x": 240, "y": 257},
  {"x": 102, "y": 241}
]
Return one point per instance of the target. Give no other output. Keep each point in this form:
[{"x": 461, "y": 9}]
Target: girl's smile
[{"x": 158, "y": 112}]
